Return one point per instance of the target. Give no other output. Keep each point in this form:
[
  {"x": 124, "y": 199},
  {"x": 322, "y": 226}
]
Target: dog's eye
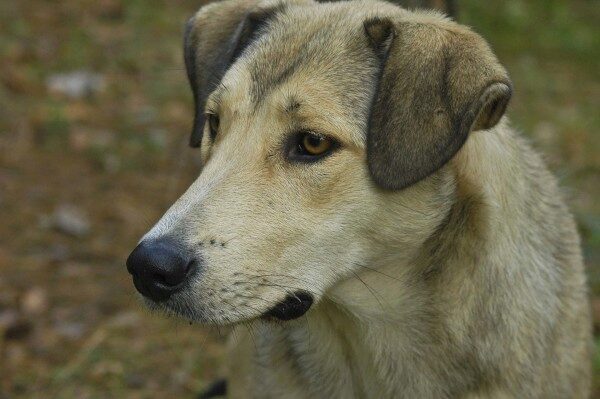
[
  {"x": 213, "y": 125},
  {"x": 315, "y": 145},
  {"x": 310, "y": 146}
]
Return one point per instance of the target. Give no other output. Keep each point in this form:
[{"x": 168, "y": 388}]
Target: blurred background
[{"x": 94, "y": 116}]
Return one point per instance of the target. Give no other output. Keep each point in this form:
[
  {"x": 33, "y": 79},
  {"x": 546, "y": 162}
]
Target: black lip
[{"x": 292, "y": 307}]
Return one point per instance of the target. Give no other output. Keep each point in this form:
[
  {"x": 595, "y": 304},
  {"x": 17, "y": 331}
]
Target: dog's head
[{"x": 324, "y": 130}]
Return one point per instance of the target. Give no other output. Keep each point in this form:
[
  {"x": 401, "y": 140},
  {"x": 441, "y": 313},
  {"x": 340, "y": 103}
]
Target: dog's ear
[
  {"x": 214, "y": 38},
  {"x": 436, "y": 86}
]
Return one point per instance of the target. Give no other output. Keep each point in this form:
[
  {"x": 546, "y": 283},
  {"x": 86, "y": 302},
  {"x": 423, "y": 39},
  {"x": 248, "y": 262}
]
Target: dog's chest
[{"x": 316, "y": 357}]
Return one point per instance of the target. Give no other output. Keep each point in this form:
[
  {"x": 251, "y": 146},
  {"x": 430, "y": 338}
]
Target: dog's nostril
[
  {"x": 176, "y": 276},
  {"x": 191, "y": 267},
  {"x": 159, "y": 278},
  {"x": 159, "y": 268}
]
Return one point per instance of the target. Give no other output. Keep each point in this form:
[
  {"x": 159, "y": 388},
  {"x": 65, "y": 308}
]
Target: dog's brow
[{"x": 292, "y": 105}]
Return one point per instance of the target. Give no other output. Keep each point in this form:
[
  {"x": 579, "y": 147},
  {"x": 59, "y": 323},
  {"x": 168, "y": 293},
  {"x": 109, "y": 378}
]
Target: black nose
[{"x": 159, "y": 268}]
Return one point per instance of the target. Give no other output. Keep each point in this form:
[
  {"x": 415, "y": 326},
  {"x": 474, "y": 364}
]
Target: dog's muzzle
[{"x": 292, "y": 307}]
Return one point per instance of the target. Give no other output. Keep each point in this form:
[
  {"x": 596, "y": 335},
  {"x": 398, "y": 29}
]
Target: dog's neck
[
  {"x": 334, "y": 352},
  {"x": 381, "y": 324}
]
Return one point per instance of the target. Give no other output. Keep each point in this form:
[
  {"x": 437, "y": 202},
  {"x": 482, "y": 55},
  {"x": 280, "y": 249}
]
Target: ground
[{"x": 86, "y": 170}]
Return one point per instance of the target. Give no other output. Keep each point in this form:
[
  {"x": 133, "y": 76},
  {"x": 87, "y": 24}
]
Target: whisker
[
  {"x": 369, "y": 288},
  {"x": 251, "y": 333},
  {"x": 413, "y": 210},
  {"x": 253, "y": 297},
  {"x": 277, "y": 275},
  {"x": 377, "y": 271},
  {"x": 285, "y": 286}
]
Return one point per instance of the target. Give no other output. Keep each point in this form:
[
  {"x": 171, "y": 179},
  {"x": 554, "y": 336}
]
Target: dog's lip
[{"x": 291, "y": 307}]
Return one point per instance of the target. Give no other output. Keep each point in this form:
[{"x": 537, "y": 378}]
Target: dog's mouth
[{"x": 292, "y": 307}]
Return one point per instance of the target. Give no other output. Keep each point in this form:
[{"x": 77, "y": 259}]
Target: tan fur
[{"x": 467, "y": 284}]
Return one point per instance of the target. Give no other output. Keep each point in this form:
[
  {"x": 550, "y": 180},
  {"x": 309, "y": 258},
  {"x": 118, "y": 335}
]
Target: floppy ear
[
  {"x": 435, "y": 87},
  {"x": 214, "y": 38}
]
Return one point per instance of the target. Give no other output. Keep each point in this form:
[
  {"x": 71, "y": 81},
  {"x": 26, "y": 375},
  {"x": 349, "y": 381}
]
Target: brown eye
[
  {"x": 310, "y": 147},
  {"x": 314, "y": 144},
  {"x": 213, "y": 125}
]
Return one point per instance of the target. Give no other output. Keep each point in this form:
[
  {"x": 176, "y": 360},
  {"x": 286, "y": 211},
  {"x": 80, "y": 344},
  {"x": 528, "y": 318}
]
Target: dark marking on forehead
[
  {"x": 265, "y": 77},
  {"x": 292, "y": 105}
]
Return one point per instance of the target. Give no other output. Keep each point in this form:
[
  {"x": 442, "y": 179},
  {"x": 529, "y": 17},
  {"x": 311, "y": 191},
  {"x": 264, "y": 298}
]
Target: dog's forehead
[
  {"x": 318, "y": 49},
  {"x": 330, "y": 45}
]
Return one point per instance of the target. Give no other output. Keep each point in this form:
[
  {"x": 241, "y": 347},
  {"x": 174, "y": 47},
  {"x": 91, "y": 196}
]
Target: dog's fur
[{"x": 441, "y": 257}]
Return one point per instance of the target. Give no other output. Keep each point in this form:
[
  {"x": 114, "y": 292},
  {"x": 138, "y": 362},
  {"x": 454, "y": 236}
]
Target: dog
[{"x": 366, "y": 218}]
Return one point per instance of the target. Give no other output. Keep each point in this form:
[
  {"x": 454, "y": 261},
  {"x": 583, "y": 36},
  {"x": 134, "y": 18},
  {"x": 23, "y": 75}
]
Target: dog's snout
[{"x": 159, "y": 268}]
